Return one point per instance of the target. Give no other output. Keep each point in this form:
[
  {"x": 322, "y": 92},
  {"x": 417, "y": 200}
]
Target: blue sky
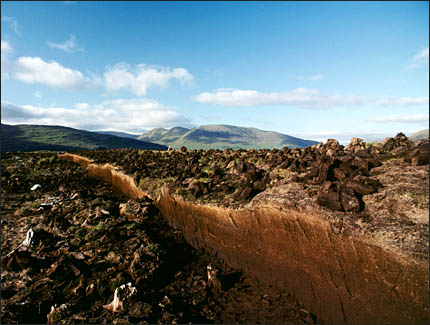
[{"x": 316, "y": 70}]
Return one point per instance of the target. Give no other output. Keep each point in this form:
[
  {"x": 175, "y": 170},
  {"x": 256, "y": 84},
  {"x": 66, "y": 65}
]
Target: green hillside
[
  {"x": 60, "y": 138},
  {"x": 222, "y": 137},
  {"x": 420, "y": 135}
]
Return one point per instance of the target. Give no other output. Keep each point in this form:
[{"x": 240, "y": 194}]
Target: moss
[
  {"x": 34, "y": 205},
  {"x": 81, "y": 232},
  {"x": 128, "y": 209},
  {"x": 131, "y": 225},
  {"x": 75, "y": 242},
  {"x": 100, "y": 226},
  {"x": 368, "y": 144},
  {"x": 204, "y": 179},
  {"x": 208, "y": 170}
]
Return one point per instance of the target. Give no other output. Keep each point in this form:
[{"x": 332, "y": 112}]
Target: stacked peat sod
[{"x": 233, "y": 177}]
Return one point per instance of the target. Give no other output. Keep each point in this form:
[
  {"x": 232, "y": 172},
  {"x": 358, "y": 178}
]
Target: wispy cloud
[
  {"x": 13, "y": 23},
  {"x": 420, "y": 59},
  {"x": 6, "y": 65},
  {"x": 127, "y": 115},
  {"x": 143, "y": 77},
  {"x": 36, "y": 70},
  {"x": 299, "y": 97},
  {"x": 37, "y": 95},
  {"x": 69, "y": 45},
  {"x": 314, "y": 77},
  {"x": 409, "y": 118}
]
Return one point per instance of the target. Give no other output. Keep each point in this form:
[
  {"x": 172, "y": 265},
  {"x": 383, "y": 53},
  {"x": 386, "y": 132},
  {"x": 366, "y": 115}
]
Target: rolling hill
[
  {"x": 222, "y": 137},
  {"x": 60, "y": 138},
  {"x": 420, "y": 135}
]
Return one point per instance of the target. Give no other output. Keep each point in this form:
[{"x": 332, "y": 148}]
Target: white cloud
[
  {"x": 299, "y": 97},
  {"x": 6, "y": 65},
  {"x": 82, "y": 106},
  {"x": 143, "y": 77},
  {"x": 419, "y": 59},
  {"x": 402, "y": 101},
  {"x": 36, "y": 70},
  {"x": 69, "y": 45},
  {"x": 5, "y": 48},
  {"x": 37, "y": 94},
  {"x": 13, "y": 23},
  {"x": 311, "y": 78},
  {"x": 410, "y": 118},
  {"x": 127, "y": 115},
  {"x": 52, "y": 73}
]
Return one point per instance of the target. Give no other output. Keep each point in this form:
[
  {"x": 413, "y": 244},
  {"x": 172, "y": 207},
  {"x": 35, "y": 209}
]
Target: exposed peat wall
[
  {"x": 338, "y": 278},
  {"x": 110, "y": 174}
]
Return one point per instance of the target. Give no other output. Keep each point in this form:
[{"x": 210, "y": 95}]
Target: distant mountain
[
  {"x": 119, "y": 134},
  {"x": 420, "y": 135},
  {"x": 160, "y": 135},
  {"x": 222, "y": 137},
  {"x": 60, "y": 138}
]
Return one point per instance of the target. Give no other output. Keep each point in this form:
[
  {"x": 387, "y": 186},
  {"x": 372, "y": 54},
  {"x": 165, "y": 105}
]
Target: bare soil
[{"x": 84, "y": 248}]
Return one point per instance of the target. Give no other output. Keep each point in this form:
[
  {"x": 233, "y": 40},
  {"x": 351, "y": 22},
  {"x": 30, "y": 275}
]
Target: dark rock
[
  {"x": 359, "y": 187},
  {"x": 329, "y": 199},
  {"x": 388, "y": 144}
]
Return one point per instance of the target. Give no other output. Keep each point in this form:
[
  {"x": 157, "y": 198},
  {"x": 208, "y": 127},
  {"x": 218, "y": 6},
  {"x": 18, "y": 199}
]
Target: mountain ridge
[{"x": 222, "y": 136}]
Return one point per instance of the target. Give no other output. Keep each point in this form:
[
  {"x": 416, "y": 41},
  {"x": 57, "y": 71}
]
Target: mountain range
[
  {"x": 222, "y": 137},
  {"x": 60, "y": 138}
]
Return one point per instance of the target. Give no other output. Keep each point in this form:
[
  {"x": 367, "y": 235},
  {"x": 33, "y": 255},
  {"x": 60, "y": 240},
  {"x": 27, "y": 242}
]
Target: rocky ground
[
  {"x": 380, "y": 189},
  {"x": 338, "y": 176},
  {"x": 75, "y": 251}
]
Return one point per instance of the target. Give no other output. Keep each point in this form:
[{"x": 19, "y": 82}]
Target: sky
[{"x": 316, "y": 70}]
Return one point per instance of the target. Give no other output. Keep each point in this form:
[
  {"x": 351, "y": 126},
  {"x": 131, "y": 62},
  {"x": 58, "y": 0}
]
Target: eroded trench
[{"x": 339, "y": 279}]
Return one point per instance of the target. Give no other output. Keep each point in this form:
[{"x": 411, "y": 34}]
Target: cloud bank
[
  {"x": 127, "y": 115},
  {"x": 299, "y": 97}
]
